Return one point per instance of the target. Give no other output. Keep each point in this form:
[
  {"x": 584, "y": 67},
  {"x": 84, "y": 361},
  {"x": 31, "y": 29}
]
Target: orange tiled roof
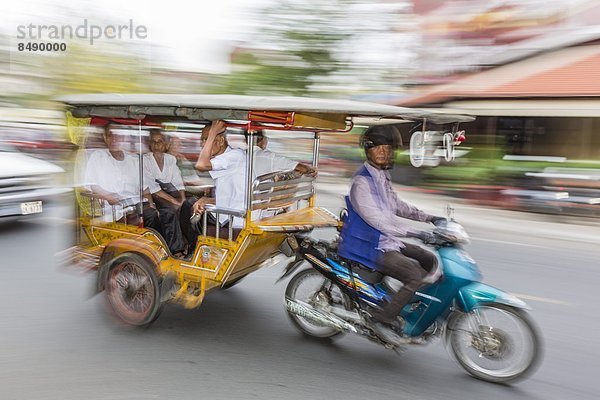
[
  {"x": 582, "y": 78},
  {"x": 572, "y": 72}
]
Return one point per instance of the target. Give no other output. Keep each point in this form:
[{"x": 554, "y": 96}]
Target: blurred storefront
[
  {"x": 536, "y": 141},
  {"x": 528, "y": 70},
  {"x": 546, "y": 105}
]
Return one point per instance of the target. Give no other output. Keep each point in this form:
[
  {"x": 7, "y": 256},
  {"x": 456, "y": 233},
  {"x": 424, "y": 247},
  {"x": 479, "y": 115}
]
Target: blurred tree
[
  {"x": 96, "y": 69},
  {"x": 293, "y": 50},
  {"x": 315, "y": 47}
]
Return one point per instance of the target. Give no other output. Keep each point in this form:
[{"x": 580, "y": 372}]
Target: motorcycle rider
[{"x": 373, "y": 231}]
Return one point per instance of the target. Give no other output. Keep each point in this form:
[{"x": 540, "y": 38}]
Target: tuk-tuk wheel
[{"x": 132, "y": 290}]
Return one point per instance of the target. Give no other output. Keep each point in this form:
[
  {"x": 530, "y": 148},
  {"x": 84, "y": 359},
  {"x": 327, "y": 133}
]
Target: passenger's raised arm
[{"x": 212, "y": 144}]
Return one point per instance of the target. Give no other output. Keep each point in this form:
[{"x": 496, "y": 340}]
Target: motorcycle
[{"x": 486, "y": 330}]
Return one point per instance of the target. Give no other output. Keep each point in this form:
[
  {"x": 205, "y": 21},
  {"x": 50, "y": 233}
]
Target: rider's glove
[
  {"x": 439, "y": 221},
  {"x": 426, "y": 237}
]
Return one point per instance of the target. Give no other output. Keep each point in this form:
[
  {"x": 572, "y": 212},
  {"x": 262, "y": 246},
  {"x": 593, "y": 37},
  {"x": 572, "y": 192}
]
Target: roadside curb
[{"x": 482, "y": 217}]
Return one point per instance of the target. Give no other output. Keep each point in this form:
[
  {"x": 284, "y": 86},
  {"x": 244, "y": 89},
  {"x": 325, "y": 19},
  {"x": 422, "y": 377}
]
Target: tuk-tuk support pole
[
  {"x": 455, "y": 127},
  {"x": 315, "y": 164},
  {"x": 249, "y": 172},
  {"x": 140, "y": 207}
]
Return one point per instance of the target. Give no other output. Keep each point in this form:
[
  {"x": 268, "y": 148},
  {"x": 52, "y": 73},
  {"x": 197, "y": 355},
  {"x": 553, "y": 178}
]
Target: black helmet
[{"x": 381, "y": 135}]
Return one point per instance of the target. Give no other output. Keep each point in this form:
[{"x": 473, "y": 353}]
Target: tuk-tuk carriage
[{"x": 133, "y": 263}]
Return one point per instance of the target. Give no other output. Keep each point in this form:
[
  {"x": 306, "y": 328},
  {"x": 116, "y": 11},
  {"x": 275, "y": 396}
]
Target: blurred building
[
  {"x": 538, "y": 91},
  {"x": 548, "y": 104},
  {"x": 462, "y": 36}
]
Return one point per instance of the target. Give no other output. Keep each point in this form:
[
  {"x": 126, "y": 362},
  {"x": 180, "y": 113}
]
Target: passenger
[
  {"x": 113, "y": 176},
  {"x": 161, "y": 174},
  {"x": 266, "y": 161},
  {"x": 164, "y": 182},
  {"x": 373, "y": 231},
  {"x": 186, "y": 167},
  {"x": 227, "y": 166}
]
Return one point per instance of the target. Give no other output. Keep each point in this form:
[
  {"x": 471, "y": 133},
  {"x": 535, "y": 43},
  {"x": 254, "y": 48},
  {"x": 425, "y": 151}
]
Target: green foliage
[
  {"x": 93, "y": 69},
  {"x": 296, "y": 52}
]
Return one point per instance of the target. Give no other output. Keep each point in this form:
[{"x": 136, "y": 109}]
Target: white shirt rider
[
  {"x": 265, "y": 161},
  {"x": 169, "y": 174},
  {"x": 229, "y": 173},
  {"x": 227, "y": 167},
  {"x": 114, "y": 176}
]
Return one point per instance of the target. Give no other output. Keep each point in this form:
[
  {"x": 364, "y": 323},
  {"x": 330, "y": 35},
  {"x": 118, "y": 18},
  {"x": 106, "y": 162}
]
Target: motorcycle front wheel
[
  {"x": 312, "y": 288},
  {"x": 495, "y": 343}
]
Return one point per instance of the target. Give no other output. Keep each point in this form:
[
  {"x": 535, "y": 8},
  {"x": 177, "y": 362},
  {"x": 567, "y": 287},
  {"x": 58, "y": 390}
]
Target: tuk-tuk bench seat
[{"x": 298, "y": 220}]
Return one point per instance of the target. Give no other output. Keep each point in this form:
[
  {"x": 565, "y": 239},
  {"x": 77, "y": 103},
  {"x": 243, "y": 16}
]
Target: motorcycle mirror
[{"x": 450, "y": 212}]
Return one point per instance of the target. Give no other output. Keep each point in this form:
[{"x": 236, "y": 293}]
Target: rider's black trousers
[
  {"x": 189, "y": 232},
  {"x": 408, "y": 265},
  {"x": 166, "y": 221},
  {"x": 170, "y": 228}
]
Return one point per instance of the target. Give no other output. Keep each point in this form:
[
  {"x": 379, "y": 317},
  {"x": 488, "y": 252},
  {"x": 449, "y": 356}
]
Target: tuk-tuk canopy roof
[{"x": 236, "y": 107}]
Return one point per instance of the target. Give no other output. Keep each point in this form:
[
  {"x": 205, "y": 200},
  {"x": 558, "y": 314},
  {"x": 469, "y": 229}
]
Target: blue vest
[{"x": 359, "y": 240}]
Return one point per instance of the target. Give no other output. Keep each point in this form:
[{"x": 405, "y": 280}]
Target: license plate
[{"x": 32, "y": 207}]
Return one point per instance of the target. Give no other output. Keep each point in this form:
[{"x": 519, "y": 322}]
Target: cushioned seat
[{"x": 367, "y": 274}]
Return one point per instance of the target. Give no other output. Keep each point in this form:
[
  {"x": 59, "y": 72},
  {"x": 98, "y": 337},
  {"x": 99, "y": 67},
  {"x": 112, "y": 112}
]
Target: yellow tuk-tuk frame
[{"x": 217, "y": 262}]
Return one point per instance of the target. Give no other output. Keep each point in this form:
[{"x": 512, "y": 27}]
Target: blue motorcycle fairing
[
  {"x": 476, "y": 293},
  {"x": 458, "y": 263}
]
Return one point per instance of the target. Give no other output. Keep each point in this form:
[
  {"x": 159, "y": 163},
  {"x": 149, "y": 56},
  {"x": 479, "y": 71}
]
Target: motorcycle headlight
[{"x": 453, "y": 232}]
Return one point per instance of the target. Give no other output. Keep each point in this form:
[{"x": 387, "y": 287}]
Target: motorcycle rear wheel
[
  {"x": 502, "y": 346},
  {"x": 304, "y": 287}
]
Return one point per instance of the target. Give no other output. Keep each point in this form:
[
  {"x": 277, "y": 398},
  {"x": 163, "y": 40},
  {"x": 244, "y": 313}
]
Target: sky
[
  {"x": 199, "y": 35},
  {"x": 186, "y": 35}
]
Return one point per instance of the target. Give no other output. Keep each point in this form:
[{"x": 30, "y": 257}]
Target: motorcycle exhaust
[
  {"x": 347, "y": 315},
  {"x": 306, "y": 311}
]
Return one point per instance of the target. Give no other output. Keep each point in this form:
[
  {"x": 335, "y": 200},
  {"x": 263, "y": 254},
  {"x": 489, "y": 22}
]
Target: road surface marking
[
  {"x": 541, "y": 299},
  {"x": 511, "y": 243}
]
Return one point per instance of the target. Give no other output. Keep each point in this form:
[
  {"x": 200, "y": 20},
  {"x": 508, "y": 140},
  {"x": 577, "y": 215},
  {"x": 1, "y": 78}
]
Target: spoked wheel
[
  {"x": 311, "y": 288},
  {"x": 448, "y": 141},
  {"x": 496, "y": 343},
  {"x": 132, "y": 290},
  {"x": 417, "y": 149}
]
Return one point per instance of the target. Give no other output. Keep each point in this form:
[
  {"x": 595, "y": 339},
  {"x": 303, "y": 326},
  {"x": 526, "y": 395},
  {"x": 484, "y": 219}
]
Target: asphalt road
[{"x": 57, "y": 342}]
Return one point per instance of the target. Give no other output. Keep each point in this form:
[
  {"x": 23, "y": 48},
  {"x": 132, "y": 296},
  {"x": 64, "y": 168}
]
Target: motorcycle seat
[{"x": 366, "y": 274}]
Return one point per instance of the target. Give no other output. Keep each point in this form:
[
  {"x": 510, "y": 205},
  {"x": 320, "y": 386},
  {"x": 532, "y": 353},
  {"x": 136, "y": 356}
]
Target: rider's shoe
[
  {"x": 396, "y": 324},
  {"x": 386, "y": 333},
  {"x": 389, "y": 331}
]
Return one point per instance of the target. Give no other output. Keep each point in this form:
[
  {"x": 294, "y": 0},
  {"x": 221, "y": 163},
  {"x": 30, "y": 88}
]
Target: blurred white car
[{"x": 26, "y": 183}]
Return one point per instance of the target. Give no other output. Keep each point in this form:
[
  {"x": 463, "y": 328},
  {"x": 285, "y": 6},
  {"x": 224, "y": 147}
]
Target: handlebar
[{"x": 450, "y": 233}]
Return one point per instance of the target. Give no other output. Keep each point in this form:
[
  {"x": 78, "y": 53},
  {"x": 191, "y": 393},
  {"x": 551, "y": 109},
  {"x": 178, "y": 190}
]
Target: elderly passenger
[
  {"x": 164, "y": 182},
  {"x": 266, "y": 161},
  {"x": 112, "y": 175},
  {"x": 227, "y": 166}
]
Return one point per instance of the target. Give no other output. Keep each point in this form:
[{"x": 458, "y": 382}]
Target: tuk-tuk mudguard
[
  {"x": 477, "y": 293},
  {"x": 148, "y": 249}
]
